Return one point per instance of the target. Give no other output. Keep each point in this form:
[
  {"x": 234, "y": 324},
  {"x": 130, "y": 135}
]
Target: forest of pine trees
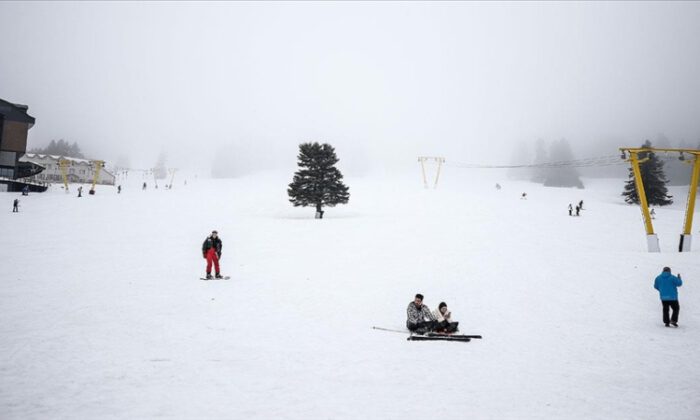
[{"x": 60, "y": 148}]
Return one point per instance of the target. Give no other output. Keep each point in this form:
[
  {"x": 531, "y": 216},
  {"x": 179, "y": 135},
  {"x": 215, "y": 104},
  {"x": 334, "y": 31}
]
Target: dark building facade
[{"x": 14, "y": 126}]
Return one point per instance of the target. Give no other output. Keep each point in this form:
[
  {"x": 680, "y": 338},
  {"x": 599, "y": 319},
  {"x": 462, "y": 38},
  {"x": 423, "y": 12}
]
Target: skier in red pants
[{"x": 211, "y": 250}]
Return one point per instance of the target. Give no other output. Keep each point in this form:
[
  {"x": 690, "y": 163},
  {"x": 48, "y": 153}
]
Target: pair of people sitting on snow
[{"x": 421, "y": 320}]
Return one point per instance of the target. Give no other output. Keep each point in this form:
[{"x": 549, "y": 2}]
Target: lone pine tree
[
  {"x": 653, "y": 179},
  {"x": 318, "y": 182}
]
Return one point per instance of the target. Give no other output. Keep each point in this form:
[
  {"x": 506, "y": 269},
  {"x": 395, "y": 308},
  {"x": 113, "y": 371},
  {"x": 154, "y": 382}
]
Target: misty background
[{"x": 235, "y": 87}]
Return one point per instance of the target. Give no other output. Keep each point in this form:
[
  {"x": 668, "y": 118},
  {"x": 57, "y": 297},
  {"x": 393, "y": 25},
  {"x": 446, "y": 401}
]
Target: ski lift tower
[
  {"x": 635, "y": 161},
  {"x": 436, "y": 159},
  {"x": 97, "y": 167}
]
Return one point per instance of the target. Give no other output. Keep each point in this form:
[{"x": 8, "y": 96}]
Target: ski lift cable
[{"x": 576, "y": 163}]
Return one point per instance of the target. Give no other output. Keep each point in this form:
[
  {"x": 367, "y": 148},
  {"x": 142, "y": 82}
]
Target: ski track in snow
[{"x": 104, "y": 315}]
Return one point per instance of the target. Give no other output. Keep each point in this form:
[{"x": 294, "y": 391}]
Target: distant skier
[
  {"x": 524, "y": 196},
  {"x": 420, "y": 319},
  {"x": 80, "y": 191},
  {"x": 211, "y": 250},
  {"x": 571, "y": 209},
  {"x": 444, "y": 319},
  {"x": 653, "y": 214},
  {"x": 578, "y": 209},
  {"x": 144, "y": 186},
  {"x": 119, "y": 189},
  {"x": 667, "y": 284},
  {"x": 580, "y": 204},
  {"x": 25, "y": 190},
  {"x": 15, "y": 206}
]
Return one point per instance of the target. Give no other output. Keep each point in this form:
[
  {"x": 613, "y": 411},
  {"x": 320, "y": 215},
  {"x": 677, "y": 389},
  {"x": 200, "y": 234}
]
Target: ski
[
  {"x": 390, "y": 330},
  {"x": 431, "y": 333},
  {"x": 438, "y": 338},
  {"x": 438, "y": 334},
  {"x": 224, "y": 278}
]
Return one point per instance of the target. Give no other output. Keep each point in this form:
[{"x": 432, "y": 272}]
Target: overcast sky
[{"x": 382, "y": 82}]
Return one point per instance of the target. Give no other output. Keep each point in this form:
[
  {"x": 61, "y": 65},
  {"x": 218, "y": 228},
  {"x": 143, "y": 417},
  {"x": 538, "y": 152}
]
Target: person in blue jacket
[{"x": 667, "y": 284}]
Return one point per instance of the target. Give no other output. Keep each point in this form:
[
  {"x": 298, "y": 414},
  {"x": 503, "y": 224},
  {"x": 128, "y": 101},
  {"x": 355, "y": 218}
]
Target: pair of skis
[
  {"x": 214, "y": 278},
  {"x": 433, "y": 336}
]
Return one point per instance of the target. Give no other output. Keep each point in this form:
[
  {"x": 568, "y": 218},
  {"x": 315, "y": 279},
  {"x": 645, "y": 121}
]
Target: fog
[{"x": 242, "y": 84}]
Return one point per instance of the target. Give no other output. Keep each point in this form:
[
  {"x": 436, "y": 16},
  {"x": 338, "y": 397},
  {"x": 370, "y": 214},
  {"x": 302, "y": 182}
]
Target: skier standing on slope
[
  {"x": 417, "y": 314},
  {"x": 15, "y": 206},
  {"x": 211, "y": 250},
  {"x": 570, "y": 209},
  {"x": 667, "y": 284}
]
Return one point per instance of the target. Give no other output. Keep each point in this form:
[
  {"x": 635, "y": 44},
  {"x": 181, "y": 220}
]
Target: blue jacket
[{"x": 667, "y": 284}]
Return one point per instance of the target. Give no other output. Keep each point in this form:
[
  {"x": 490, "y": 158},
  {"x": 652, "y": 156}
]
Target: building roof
[
  {"x": 54, "y": 157},
  {"x": 15, "y": 112}
]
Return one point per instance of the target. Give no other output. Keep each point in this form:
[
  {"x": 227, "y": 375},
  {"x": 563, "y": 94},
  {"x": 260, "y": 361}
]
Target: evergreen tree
[
  {"x": 653, "y": 178},
  {"x": 562, "y": 176},
  {"x": 159, "y": 171},
  {"x": 318, "y": 182},
  {"x": 539, "y": 173},
  {"x": 520, "y": 156}
]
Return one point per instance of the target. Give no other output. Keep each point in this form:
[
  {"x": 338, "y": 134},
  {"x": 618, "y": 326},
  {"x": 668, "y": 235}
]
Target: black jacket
[{"x": 211, "y": 242}]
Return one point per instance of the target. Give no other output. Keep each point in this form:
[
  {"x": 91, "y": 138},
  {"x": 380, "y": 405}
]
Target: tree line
[{"x": 60, "y": 148}]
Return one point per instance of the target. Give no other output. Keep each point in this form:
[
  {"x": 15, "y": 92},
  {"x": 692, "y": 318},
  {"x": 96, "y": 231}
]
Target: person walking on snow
[
  {"x": 570, "y": 209},
  {"x": 420, "y": 319},
  {"x": 444, "y": 319},
  {"x": 15, "y": 206},
  {"x": 667, "y": 284},
  {"x": 578, "y": 209},
  {"x": 211, "y": 250}
]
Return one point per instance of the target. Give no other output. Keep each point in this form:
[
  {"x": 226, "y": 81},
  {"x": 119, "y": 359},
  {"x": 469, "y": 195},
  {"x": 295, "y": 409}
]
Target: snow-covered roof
[{"x": 54, "y": 157}]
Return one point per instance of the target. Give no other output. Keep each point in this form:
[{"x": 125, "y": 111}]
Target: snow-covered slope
[{"x": 103, "y": 315}]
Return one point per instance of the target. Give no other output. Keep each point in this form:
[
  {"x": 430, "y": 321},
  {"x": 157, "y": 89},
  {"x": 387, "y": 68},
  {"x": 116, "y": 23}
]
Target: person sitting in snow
[
  {"x": 211, "y": 250},
  {"x": 444, "y": 319},
  {"x": 420, "y": 319}
]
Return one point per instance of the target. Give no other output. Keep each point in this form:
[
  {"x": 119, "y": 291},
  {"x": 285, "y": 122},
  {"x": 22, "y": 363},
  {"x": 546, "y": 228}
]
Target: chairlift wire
[{"x": 576, "y": 163}]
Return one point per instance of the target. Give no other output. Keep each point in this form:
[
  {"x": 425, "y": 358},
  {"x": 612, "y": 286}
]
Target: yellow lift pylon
[
  {"x": 98, "y": 164},
  {"x": 652, "y": 239},
  {"x": 63, "y": 165},
  {"x": 438, "y": 160}
]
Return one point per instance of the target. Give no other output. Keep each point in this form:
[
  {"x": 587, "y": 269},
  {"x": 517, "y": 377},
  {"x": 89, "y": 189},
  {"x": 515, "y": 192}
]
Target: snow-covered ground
[{"x": 104, "y": 317}]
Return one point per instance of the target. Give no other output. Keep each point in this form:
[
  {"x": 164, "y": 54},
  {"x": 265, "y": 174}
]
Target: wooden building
[{"x": 14, "y": 126}]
